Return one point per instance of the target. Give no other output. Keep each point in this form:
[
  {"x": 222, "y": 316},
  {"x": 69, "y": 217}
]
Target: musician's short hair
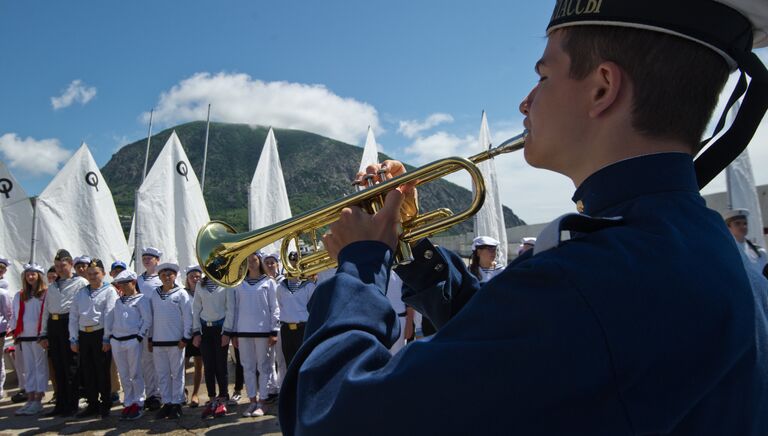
[{"x": 676, "y": 82}]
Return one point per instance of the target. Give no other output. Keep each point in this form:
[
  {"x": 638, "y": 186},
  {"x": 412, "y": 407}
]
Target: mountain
[{"x": 317, "y": 171}]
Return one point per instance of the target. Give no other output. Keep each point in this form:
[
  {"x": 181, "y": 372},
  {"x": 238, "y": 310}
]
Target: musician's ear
[{"x": 609, "y": 88}]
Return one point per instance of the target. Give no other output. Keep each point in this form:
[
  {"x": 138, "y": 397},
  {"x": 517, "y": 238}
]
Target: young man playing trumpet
[{"x": 602, "y": 334}]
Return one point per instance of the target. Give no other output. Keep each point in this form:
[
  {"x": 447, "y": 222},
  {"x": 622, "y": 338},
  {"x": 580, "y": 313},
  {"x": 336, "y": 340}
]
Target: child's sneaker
[
  {"x": 220, "y": 410},
  {"x": 22, "y": 410},
  {"x": 234, "y": 399},
  {"x": 34, "y": 408},
  {"x": 134, "y": 412}
]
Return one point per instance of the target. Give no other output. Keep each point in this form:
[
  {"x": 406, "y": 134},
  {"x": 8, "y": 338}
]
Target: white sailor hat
[
  {"x": 260, "y": 253},
  {"x": 124, "y": 277},
  {"x": 34, "y": 267},
  {"x": 82, "y": 259},
  {"x": 151, "y": 251},
  {"x": 5, "y": 261},
  {"x": 168, "y": 265},
  {"x": 526, "y": 241},
  {"x": 274, "y": 256},
  {"x": 732, "y": 214},
  {"x": 194, "y": 268},
  {"x": 484, "y": 240}
]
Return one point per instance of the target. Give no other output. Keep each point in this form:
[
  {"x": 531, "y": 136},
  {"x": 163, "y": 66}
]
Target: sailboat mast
[
  {"x": 33, "y": 244},
  {"x": 205, "y": 150},
  {"x": 149, "y": 139}
]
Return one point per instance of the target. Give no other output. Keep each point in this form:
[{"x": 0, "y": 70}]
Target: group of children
[{"x": 149, "y": 324}]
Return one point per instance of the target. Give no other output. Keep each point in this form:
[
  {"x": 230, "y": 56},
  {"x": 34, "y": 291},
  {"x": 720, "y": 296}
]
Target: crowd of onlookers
[{"x": 81, "y": 326}]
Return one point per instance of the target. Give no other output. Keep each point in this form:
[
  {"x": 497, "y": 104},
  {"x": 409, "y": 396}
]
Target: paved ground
[{"x": 190, "y": 423}]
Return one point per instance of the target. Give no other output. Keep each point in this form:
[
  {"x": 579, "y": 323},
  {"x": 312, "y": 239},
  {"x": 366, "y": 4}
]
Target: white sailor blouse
[
  {"x": 292, "y": 299},
  {"x": 256, "y": 310},
  {"x": 130, "y": 316},
  {"x": 89, "y": 309},
  {"x": 171, "y": 316}
]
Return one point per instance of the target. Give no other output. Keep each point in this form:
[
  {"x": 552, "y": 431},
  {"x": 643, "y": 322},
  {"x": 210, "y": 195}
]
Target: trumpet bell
[{"x": 224, "y": 266}]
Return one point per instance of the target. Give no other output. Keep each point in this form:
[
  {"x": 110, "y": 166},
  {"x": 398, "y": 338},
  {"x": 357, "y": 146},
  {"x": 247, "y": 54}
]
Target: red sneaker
[
  {"x": 221, "y": 409},
  {"x": 134, "y": 412},
  {"x": 125, "y": 411}
]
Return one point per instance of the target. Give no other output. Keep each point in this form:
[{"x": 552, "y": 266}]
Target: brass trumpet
[{"x": 222, "y": 253}]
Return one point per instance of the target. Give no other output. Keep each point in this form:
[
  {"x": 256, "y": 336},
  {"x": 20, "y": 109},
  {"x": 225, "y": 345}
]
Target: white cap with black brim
[{"x": 732, "y": 28}]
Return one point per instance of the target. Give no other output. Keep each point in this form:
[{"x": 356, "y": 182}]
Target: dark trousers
[
  {"x": 64, "y": 363},
  {"x": 239, "y": 378},
  {"x": 292, "y": 340},
  {"x": 214, "y": 361},
  {"x": 95, "y": 365}
]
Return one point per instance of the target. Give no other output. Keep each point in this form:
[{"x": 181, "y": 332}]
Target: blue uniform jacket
[{"x": 645, "y": 325}]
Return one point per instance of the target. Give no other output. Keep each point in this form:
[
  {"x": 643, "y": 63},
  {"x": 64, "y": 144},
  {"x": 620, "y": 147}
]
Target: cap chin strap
[{"x": 732, "y": 143}]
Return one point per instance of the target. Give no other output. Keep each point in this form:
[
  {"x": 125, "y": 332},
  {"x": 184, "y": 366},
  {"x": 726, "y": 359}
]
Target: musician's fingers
[
  {"x": 394, "y": 167},
  {"x": 357, "y": 180},
  {"x": 372, "y": 169},
  {"x": 348, "y": 215},
  {"x": 390, "y": 212},
  {"x": 408, "y": 188},
  {"x": 331, "y": 245}
]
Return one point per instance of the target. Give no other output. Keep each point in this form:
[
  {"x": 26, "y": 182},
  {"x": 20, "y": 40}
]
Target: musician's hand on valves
[
  {"x": 378, "y": 173},
  {"x": 355, "y": 225}
]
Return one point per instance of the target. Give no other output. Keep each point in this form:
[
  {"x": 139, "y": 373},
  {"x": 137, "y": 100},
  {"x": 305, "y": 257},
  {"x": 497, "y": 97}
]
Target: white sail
[
  {"x": 15, "y": 226},
  {"x": 489, "y": 221},
  {"x": 742, "y": 193},
  {"x": 76, "y": 212},
  {"x": 370, "y": 151},
  {"x": 267, "y": 195},
  {"x": 170, "y": 207}
]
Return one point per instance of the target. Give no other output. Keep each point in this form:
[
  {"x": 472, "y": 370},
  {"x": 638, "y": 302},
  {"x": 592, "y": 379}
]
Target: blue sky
[{"x": 419, "y": 72}]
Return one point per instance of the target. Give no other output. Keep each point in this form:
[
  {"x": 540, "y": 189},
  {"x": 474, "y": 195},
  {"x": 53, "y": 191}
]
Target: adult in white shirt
[{"x": 754, "y": 256}]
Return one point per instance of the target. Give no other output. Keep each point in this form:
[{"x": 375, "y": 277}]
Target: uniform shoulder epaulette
[{"x": 551, "y": 236}]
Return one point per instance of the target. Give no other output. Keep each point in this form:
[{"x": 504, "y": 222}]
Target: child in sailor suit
[
  {"x": 256, "y": 325},
  {"x": 127, "y": 326},
  {"x": 171, "y": 331}
]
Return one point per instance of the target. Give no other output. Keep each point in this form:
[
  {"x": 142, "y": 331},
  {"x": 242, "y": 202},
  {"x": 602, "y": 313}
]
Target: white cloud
[
  {"x": 33, "y": 156},
  {"x": 76, "y": 92},
  {"x": 411, "y": 128},
  {"x": 440, "y": 145},
  {"x": 238, "y": 98}
]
